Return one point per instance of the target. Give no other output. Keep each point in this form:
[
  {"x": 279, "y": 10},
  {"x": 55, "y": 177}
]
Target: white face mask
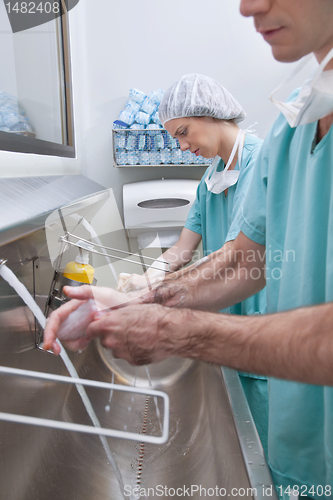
[
  {"x": 217, "y": 182},
  {"x": 315, "y": 99}
]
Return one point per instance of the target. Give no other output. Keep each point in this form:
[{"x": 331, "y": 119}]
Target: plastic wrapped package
[
  {"x": 158, "y": 142},
  {"x": 127, "y": 117},
  {"x": 142, "y": 118},
  {"x": 121, "y": 157},
  {"x": 12, "y": 116},
  {"x": 133, "y": 158},
  {"x": 188, "y": 157},
  {"x": 137, "y": 96},
  {"x": 155, "y": 158},
  {"x": 120, "y": 141},
  {"x": 153, "y": 126},
  {"x": 137, "y": 126},
  {"x": 172, "y": 143},
  {"x": 148, "y": 106},
  {"x": 165, "y": 156},
  {"x": 176, "y": 156},
  {"x": 144, "y": 158},
  {"x": 132, "y": 142},
  {"x": 142, "y": 142},
  {"x": 155, "y": 118},
  {"x": 156, "y": 96}
]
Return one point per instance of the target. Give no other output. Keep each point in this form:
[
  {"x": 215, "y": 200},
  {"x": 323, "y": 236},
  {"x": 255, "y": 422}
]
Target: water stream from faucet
[{"x": 21, "y": 290}]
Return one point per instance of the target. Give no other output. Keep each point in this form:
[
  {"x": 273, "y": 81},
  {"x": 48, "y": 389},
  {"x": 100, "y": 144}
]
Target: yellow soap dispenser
[{"x": 80, "y": 270}]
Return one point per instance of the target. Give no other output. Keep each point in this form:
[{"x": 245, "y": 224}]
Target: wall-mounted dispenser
[{"x": 155, "y": 211}]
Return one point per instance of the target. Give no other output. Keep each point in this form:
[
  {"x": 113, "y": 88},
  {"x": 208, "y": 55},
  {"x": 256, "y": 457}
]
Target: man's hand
[
  {"x": 140, "y": 334},
  {"x": 105, "y": 299},
  {"x": 52, "y": 326}
]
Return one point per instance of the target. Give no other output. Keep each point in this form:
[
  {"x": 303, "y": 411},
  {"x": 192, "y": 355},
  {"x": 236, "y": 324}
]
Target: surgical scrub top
[
  {"x": 216, "y": 216},
  {"x": 289, "y": 209}
]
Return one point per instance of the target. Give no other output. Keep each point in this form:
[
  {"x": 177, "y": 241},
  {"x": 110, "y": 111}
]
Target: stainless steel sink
[{"x": 212, "y": 443}]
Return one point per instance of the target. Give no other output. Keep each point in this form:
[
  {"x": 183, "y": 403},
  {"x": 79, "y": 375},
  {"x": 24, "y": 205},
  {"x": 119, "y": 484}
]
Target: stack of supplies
[
  {"x": 140, "y": 139},
  {"x": 13, "y": 117}
]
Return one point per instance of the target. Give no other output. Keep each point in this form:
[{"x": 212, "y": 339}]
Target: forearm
[
  {"x": 226, "y": 278},
  {"x": 182, "y": 252},
  {"x": 295, "y": 345},
  {"x": 176, "y": 258}
]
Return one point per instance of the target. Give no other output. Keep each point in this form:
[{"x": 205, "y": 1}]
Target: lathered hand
[
  {"x": 104, "y": 298},
  {"x": 142, "y": 334}
]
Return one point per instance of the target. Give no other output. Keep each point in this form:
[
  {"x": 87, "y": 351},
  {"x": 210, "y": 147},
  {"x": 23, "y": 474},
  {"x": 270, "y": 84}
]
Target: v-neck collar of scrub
[{"x": 315, "y": 147}]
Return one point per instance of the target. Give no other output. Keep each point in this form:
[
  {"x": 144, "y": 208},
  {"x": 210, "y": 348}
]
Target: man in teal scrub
[{"x": 285, "y": 243}]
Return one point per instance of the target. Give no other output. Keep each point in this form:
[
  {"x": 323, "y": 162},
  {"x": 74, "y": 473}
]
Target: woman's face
[{"x": 201, "y": 135}]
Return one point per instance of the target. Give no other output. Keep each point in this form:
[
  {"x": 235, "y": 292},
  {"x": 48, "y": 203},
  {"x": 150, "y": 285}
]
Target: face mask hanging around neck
[
  {"x": 315, "y": 100},
  {"x": 217, "y": 182}
]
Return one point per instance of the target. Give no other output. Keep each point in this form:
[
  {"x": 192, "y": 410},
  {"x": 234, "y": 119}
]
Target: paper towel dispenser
[{"x": 159, "y": 206}]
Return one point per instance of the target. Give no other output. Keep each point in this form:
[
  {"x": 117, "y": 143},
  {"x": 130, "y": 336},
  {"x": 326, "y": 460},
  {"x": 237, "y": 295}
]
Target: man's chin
[{"x": 284, "y": 54}]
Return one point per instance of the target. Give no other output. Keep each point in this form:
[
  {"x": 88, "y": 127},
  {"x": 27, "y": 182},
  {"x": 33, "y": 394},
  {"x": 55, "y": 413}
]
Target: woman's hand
[{"x": 132, "y": 282}]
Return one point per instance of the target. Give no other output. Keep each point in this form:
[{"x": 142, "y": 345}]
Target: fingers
[
  {"x": 102, "y": 324},
  {"x": 83, "y": 292},
  {"x": 77, "y": 345},
  {"x": 53, "y": 323},
  {"x": 55, "y": 348},
  {"x": 138, "y": 282},
  {"x": 124, "y": 282},
  {"x": 105, "y": 298}
]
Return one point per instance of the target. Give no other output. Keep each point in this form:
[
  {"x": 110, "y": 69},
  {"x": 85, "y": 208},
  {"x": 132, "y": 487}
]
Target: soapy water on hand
[{"x": 75, "y": 325}]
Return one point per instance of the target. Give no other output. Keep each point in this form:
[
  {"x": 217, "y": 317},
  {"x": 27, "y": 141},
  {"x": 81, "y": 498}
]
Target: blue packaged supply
[
  {"x": 155, "y": 158},
  {"x": 137, "y": 96},
  {"x": 165, "y": 156},
  {"x": 132, "y": 143},
  {"x": 117, "y": 124},
  {"x": 128, "y": 114},
  {"x": 120, "y": 141},
  {"x": 132, "y": 107},
  {"x": 132, "y": 158},
  {"x": 158, "y": 142},
  {"x": 142, "y": 118},
  {"x": 188, "y": 157},
  {"x": 126, "y": 117},
  {"x": 176, "y": 156},
  {"x": 142, "y": 142},
  {"x": 155, "y": 118},
  {"x": 137, "y": 126},
  {"x": 144, "y": 158},
  {"x": 172, "y": 143},
  {"x": 153, "y": 126},
  {"x": 22, "y": 127},
  {"x": 156, "y": 96},
  {"x": 148, "y": 106},
  {"x": 122, "y": 157}
]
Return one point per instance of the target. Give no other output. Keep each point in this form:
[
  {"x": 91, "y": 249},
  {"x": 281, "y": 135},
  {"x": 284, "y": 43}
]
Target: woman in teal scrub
[{"x": 204, "y": 117}]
